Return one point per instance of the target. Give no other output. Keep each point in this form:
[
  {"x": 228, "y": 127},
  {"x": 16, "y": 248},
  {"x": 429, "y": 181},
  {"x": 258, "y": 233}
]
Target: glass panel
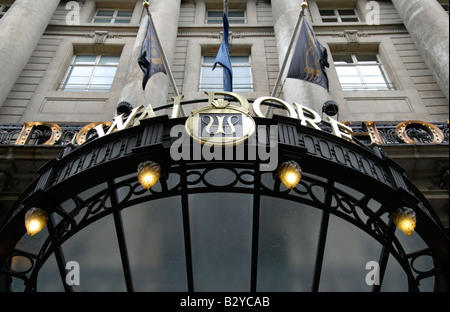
[
  {"x": 85, "y": 59},
  {"x": 209, "y": 59},
  {"x": 221, "y": 236},
  {"x": 347, "y": 71},
  {"x": 395, "y": 278},
  {"x": 101, "y": 71},
  {"x": 239, "y": 60},
  {"x": 241, "y": 72},
  {"x": 109, "y": 60},
  {"x": 122, "y": 21},
  {"x": 97, "y": 241},
  {"x": 349, "y": 19},
  {"x": 49, "y": 278},
  {"x": 77, "y": 81},
  {"x": 102, "y": 20},
  {"x": 288, "y": 239},
  {"x": 81, "y": 71},
  {"x": 215, "y": 14},
  {"x": 105, "y": 13},
  {"x": 327, "y": 12},
  {"x": 347, "y": 251},
  {"x": 367, "y": 58},
  {"x": 236, "y": 14},
  {"x": 371, "y": 71},
  {"x": 342, "y": 59},
  {"x": 329, "y": 20},
  {"x": 124, "y": 13},
  {"x": 347, "y": 12},
  {"x": 155, "y": 241}
]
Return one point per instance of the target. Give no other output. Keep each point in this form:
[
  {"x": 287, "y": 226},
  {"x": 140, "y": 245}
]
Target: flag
[
  {"x": 150, "y": 59},
  {"x": 223, "y": 57},
  {"x": 310, "y": 58}
]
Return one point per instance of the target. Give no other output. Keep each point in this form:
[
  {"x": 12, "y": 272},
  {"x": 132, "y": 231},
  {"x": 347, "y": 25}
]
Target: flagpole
[
  {"x": 225, "y": 7},
  {"x": 288, "y": 52},
  {"x": 166, "y": 64}
]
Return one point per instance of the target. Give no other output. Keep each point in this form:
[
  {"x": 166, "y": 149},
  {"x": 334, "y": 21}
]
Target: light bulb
[
  {"x": 290, "y": 174},
  {"x": 149, "y": 173},
  {"x": 35, "y": 220},
  {"x": 405, "y": 219}
]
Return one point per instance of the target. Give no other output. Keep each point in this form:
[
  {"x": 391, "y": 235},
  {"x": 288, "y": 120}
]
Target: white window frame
[
  {"x": 88, "y": 87},
  {"x": 362, "y": 85},
  {"x": 338, "y": 16},
  {"x": 114, "y": 17},
  {"x": 244, "y": 88},
  {"x": 231, "y": 19}
]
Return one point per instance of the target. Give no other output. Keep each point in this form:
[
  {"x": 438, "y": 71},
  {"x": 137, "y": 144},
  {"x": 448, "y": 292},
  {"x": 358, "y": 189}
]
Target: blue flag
[
  {"x": 310, "y": 58},
  {"x": 150, "y": 59},
  {"x": 223, "y": 58}
]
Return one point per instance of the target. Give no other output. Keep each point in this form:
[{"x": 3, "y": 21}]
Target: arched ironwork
[{"x": 334, "y": 170}]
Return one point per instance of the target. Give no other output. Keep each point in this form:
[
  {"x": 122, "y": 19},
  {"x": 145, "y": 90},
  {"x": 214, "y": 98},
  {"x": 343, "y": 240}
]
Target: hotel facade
[{"x": 76, "y": 124}]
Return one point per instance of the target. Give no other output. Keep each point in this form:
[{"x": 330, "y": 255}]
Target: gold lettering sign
[
  {"x": 28, "y": 128},
  {"x": 221, "y": 123}
]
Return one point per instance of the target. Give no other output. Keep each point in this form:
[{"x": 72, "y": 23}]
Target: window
[
  {"x": 339, "y": 15},
  {"x": 3, "y": 9},
  {"x": 213, "y": 79},
  {"x": 94, "y": 73},
  {"x": 234, "y": 17},
  {"x": 361, "y": 72},
  {"x": 113, "y": 16}
]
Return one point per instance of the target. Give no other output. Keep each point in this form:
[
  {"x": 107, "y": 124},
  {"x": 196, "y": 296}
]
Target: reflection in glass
[
  {"x": 96, "y": 250},
  {"x": 221, "y": 228},
  {"x": 287, "y": 245},
  {"x": 347, "y": 251},
  {"x": 155, "y": 243}
]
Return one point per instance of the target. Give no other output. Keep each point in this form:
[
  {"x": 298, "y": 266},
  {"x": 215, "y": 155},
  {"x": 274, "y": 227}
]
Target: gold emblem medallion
[{"x": 221, "y": 123}]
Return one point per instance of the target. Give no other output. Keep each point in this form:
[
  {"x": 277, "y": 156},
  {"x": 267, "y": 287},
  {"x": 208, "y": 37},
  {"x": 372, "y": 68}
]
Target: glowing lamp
[
  {"x": 35, "y": 220},
  {"x": 405, "y": 219},
  {"x": 149, "y": 173},
  {"x": 290, "y": 174}
]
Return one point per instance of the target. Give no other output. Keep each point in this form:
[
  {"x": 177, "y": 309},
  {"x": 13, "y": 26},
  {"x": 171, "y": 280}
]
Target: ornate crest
[{"x": 221, "y": 123}]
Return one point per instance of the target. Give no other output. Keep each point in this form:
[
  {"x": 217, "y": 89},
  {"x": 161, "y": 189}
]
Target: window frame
[
  {"x": 338, "y": 15},
  {"x": 248, "y": 65},
  {"x": 231, "y": 19},
  {"x": 88, "y": 86},
  {"x": 388, "y": 84},
  {"x": 113, "y": 18}
]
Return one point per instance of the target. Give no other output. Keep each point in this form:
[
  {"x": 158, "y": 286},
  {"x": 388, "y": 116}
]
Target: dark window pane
[{"x": 327, "y": 13}]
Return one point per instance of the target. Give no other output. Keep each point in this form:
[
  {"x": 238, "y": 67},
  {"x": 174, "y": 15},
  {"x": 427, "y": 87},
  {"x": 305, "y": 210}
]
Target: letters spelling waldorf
[{"x": 307, "y": 117}]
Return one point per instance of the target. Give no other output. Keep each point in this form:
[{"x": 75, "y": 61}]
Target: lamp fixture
[
  {"x": 35, "y": 220},
  {"x": 149, "y": 173},
  {"x": 330, "y": 108},
  {"x": 405, "y": 219},
  {"x": 290, "y": 174}
]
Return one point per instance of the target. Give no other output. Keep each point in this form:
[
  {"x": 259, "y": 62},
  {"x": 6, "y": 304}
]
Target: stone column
[
  {"x": 285, "y": 16},
  {"x": 165, "y": 18},
  {"x": 21, "y": 28},
  {"x": 428, "y": 25}
]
